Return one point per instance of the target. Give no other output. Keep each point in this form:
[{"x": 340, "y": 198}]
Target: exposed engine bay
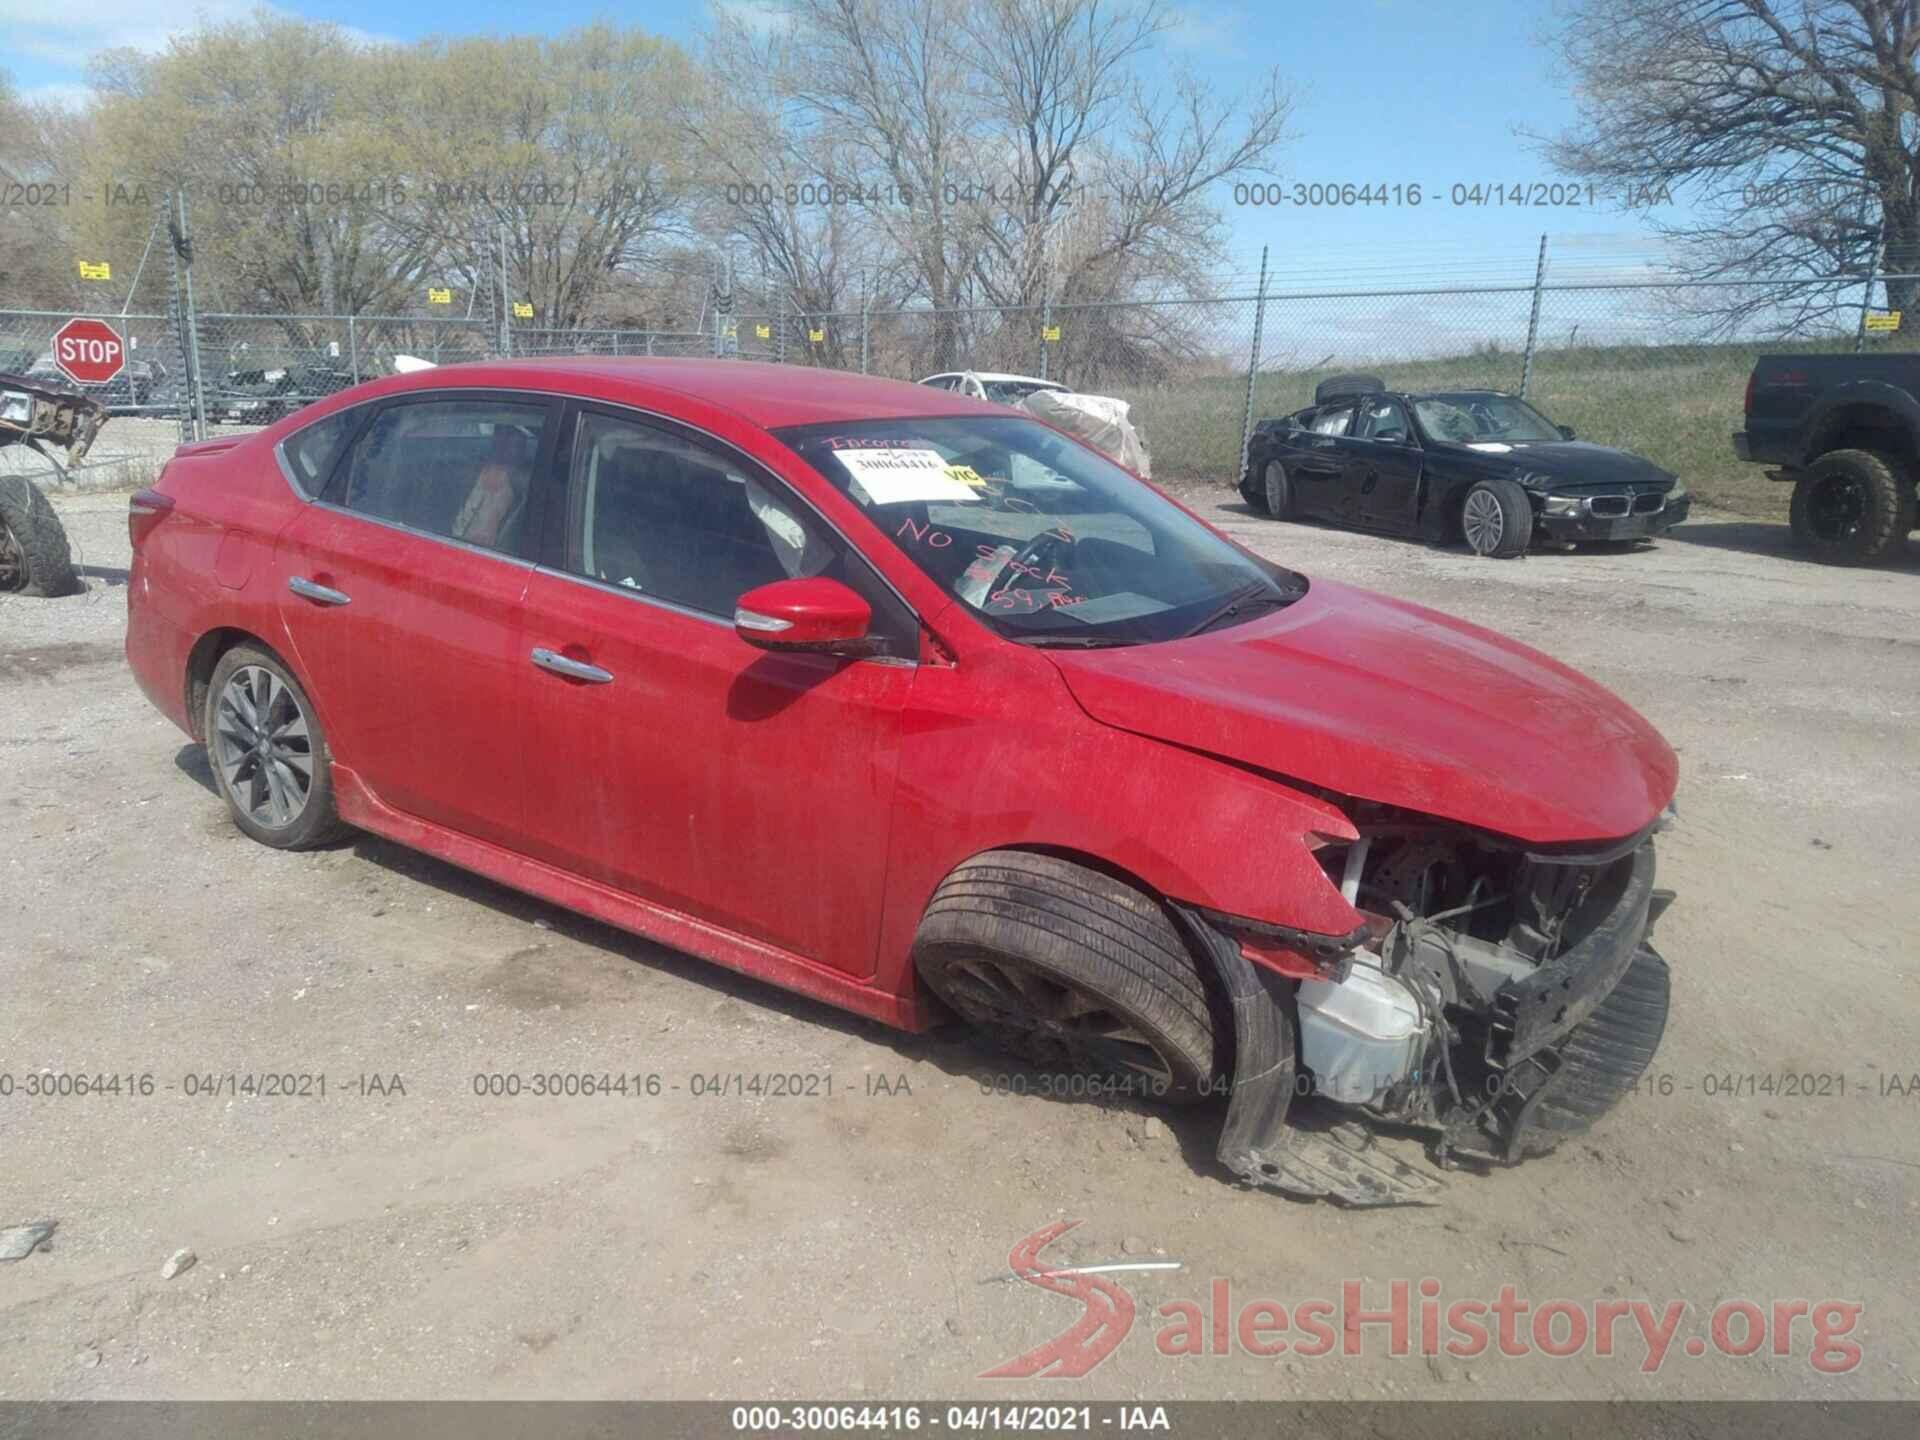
[{"x": 1499, "y": 1000}]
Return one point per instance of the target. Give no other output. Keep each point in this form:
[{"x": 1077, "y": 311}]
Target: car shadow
[
  {"x": 1761, "y": 537},
  {"x": 191, "y": 761}
]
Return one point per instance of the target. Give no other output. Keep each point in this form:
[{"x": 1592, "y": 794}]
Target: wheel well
[
  {"x": 205, "y": 655},
  {"x": 1217, "y": 985},
  {"x": 1864, "y": 427}
]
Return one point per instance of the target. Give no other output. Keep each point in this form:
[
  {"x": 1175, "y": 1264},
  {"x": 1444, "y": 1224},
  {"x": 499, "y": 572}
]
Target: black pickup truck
[{"x": 1845, "y": 430}]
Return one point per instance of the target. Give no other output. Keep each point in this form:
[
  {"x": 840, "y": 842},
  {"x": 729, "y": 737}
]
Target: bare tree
[{"x": 1793, "y": 122}]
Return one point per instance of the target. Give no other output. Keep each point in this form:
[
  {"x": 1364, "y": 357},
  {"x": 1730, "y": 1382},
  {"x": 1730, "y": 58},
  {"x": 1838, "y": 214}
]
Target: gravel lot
[{"x": 433, "y": 1243}]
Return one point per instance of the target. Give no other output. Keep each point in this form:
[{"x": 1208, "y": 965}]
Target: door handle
[
  {"x": 573, "y": 669},
  {"x": 319, "y": 594}
]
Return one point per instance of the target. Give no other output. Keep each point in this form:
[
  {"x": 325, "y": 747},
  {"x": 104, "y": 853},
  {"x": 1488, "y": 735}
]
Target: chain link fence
[{"x": 1656, "y": 366}]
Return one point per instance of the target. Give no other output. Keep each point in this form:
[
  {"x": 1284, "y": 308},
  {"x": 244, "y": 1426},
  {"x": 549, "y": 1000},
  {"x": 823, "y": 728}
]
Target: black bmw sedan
[{"x": 1475, "y": 465}]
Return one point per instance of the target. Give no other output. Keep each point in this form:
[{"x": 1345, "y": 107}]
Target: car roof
[{"x": 767, "y": 395}]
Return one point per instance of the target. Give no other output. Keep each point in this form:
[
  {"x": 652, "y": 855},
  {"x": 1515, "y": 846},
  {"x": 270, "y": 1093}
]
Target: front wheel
[
  {"x": 35, "y": 558},
  {"x": 268, "y": 753},
  {"x": 1852, "y": 507},
  {"x": 1278, "y": 490},
  {"x": 1072, "y": 970},
  {"x": 1497, "y": 519}
]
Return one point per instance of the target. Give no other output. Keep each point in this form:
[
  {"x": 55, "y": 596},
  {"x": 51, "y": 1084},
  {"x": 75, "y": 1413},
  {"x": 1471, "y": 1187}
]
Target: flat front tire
[
  {"x": 1852, "y": 507},
  {"x": 1497, "y": 519},
  {"x": 1071, "y": 970},
  {"x": 268, "y": 753}
]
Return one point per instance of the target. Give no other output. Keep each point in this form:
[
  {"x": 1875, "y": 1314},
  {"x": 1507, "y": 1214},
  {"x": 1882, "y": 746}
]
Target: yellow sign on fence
[
  {"x": 440, "y": 297},
  {"x": 817, "y": 336},
  {"x": 1051, "y": 334},
  {"x": 1884, "y": 323},
  {"x": 91, "y": 271},
  {"x": 522, "y": 310},
  {"x": 763, "y": 332}
]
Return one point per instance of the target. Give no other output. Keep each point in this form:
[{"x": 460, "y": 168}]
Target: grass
[{"x": 1676, "y": 405}]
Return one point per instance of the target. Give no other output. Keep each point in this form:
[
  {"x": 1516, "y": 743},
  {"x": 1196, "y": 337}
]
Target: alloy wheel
[
  {"x": 263, "y": 747},
  {"x": 1050, "y": 1022},
  {"x": 1484, "y": 521},
  {"x": 1837, "y": 508}
]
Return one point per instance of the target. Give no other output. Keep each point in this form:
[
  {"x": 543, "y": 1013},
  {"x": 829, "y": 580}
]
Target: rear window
[{"x": 311, "y": 452}]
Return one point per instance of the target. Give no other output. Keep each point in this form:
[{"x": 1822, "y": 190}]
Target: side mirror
[
  {"x": 814, "y": 614},
  {"x": 1566, "y": 432}
]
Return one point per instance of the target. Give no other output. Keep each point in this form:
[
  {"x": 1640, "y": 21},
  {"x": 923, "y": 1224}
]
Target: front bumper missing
[
  {"x": 1559, "y": 1056},
  {"x": 1257, "y": 1144}
]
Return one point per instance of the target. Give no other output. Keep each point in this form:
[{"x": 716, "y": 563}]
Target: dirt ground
[{"x": 434, "y": 1243}]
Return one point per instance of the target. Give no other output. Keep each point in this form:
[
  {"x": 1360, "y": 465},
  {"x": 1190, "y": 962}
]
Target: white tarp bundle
[{"x": 1100, "y": 420}]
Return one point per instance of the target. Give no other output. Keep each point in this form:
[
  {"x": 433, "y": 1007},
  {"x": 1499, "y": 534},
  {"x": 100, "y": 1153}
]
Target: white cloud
[
  {"x": 756, "y": 17},
  {"x": 66, "y": 38},
  {"x": 1213, "y": 30},
  {"x": 66, "y": 95}
]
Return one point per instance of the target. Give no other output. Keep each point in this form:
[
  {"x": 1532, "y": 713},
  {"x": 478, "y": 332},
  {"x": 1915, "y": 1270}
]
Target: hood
[
  {"x": 1571, "y": 464},
  {"x": 1381, "y": 700}
]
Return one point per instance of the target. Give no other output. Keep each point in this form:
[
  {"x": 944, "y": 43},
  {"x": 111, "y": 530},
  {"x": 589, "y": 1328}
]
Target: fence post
[
  {"x": 196, "y": 382},
  {"x": 353, "y": 349},
  {"x": 1253, "y": 364},
  {"x": 1866, "y": 296},
  {"x": 1533, "y": 319},
  {"x": 866, "y": 309}
]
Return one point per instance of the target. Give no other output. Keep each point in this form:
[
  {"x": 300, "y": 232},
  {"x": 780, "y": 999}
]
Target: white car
[{"x": 992, "y": 385}]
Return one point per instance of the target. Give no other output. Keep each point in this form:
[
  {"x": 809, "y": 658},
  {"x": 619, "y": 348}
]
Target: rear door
[
  {"x": 668, "y": 757},
  {"x": 401, "y": 591},
  {"x": 1383, "y": 466}
]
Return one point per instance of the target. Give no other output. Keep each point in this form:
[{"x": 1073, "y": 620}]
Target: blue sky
[{"x": 1390, "y": 92}]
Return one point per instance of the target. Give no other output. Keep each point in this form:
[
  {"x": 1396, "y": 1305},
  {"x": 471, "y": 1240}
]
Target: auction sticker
[{"x": 897, "y": 477}]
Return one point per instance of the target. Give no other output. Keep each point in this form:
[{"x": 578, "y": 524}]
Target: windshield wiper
[
  {"x": 1258, "y": 595},
  {"x": 1070, "y": 642}
]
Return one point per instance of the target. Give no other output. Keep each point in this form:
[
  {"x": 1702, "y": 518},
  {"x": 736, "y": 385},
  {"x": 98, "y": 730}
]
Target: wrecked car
[
  {"x": 1478, "y": 466},
  {"x": 37, "y": 417},
  {"x": 917, "y": 706}
]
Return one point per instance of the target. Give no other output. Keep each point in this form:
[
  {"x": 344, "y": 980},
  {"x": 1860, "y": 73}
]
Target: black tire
[
  {"x": 1055, "y": 962},
  {"x": 35, "y": 558},
  {"x": 258, "y": 812},
  {"x": 1852, "y": 507},
  {"x": 1496, "y": 519},
  {"x": 1250, "y": 490},
  {"x": 1276, "y": 490},
  {"x": 1339, "y": 387}
]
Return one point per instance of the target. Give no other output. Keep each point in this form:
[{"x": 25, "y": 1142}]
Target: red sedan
[{"x": 923, "y": 708}]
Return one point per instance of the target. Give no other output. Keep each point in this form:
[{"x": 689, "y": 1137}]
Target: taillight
[{"x": 145, "y": 510}]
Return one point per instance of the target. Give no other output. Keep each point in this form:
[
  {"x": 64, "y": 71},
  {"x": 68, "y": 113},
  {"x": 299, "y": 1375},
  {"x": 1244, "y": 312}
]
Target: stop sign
[{"x": 88, "y": 351}]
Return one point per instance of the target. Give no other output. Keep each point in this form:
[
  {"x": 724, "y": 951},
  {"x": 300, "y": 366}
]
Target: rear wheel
[
  {"x": 268, "y": 753},
  {"x": 1497, "y": 519},
  {"x": 1071, "y": 970},
  {"x": 1852, "y": 506}
]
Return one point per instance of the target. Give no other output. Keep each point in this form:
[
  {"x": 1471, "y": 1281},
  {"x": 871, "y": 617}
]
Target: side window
[
  {"x": 1384, "y": 420},
  {"x": 665, "y": 517},
  {"x": 1337, "y": 421},
  {"x": 310, "y": 453},
  {"x": 458, "y": 468}
]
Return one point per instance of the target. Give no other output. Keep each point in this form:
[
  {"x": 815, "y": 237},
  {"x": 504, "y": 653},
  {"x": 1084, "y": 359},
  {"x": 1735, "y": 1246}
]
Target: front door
[
  {"x": 1383, "y": 466},
  {"x": 668, "y": 757}
]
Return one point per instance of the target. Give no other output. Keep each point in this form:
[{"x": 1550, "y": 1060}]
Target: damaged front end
[
  {"x": 38, "y": 413},
  {"x": 1499, "y": 1000}
]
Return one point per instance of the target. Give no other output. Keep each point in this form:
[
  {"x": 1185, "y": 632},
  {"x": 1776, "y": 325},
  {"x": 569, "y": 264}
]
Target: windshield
[
  {"x": 1045, "y": 540},
  {"x": 1473, "y": 419}
]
